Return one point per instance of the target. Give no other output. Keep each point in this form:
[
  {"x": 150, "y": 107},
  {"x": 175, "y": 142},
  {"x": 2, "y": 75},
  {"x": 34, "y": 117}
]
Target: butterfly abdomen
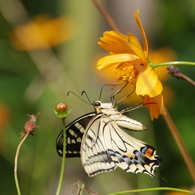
[{"x": 129, "y": 124}]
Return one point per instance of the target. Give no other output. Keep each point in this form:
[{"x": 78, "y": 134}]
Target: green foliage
[{"x": 24, "y": 89}]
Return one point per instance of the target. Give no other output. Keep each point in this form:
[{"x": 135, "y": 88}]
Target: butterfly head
[{"x": 104, "y": 108}]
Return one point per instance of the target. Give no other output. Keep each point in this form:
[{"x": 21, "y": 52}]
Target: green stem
[
  {"x": 63, "y": 158},
  {"x": 153, "y": 189},
  {"x": 172, "y": 63},
  {"x": 16, "y": 164}
]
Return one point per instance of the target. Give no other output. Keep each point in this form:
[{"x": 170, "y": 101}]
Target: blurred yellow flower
[
  {"x": 42, "y": 33},
  {"x": 132, "y": 66}
]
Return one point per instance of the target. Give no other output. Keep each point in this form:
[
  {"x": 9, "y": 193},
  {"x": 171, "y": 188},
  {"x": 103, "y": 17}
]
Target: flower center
[{"x": 126, "y": 72}]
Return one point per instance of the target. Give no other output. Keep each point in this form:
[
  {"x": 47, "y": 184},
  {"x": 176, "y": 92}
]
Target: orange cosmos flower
[{"x": 132, "y": 66}]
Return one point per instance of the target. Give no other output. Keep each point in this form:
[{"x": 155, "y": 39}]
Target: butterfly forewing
[{"x": 74, "y": 134}]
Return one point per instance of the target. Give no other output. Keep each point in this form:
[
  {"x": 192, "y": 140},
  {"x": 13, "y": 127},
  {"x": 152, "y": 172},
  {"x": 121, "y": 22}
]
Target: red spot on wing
[{"x": 149, "y": 152}]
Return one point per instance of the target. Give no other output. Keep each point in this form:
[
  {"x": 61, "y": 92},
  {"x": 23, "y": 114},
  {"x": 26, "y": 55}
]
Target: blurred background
[{"x": 48, "y": 48}]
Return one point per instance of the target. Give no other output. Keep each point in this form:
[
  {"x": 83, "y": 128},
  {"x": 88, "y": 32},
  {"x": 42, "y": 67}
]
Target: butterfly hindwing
[{"x": 74, "y": 134}]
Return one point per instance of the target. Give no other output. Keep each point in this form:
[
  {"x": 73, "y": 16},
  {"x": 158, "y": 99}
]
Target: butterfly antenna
[
  {"x": 89, "y": 102},
  {"x": 84, "y": 93},
  {"x": 103, "y": 88}
]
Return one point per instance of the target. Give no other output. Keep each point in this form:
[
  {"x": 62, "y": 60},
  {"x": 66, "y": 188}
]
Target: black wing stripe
[{"x": 74, "y": 134}]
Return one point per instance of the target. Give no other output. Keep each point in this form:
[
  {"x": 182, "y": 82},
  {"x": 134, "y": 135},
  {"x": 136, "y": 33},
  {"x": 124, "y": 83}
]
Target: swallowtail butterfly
[{"x": 99, "y": 138}]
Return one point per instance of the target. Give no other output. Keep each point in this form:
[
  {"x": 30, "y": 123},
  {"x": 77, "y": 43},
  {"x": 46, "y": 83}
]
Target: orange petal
[
  {"x": 155, "y": 105},
  {"x": 143, "y": 33},
  {"x": 134, "y": 45},
  {"x": 148, "y": 84},
  {"x": 114, "y": 60},
  {"x": 114, "y": 42}
]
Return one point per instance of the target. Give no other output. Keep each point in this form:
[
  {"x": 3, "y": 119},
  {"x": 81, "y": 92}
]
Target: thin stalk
[
  {"x": 16, "y": 164},
  {"x": 63, "y": 159},
  {"x": 175, "y": 72},
  {"x": 172, "y": 63},
  {"x": 107, "y": 16},
  {"x": 180, "y": 144},
  {"x": 183, "y": 76},
  {"x": 153, "y": 189}
]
